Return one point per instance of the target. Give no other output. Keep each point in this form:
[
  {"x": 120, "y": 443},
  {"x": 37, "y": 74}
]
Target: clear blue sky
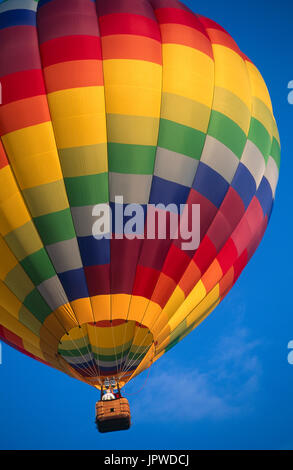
[{"x": 237, "y": 382}]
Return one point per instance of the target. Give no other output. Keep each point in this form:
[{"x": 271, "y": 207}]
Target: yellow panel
[
  {"x": 121, "y": 334},
  {"x": 60, "y": 321},
  {"x": 78, "y": 131},
  {"x": 34, "y": 140},
  {"x": 261, "y": 112},
  {"x": 8, "y": 260},
  {"x": 133, "y": 130},
  {"x": 176, "y": 299},
  {"x": 194, "y": 298},
  {"x": 133, "y": 87},
  {"x": 133, "y": 101},
  {"x": 258, "y": 86},
  {"x": 8, "y": 186},
  {"x": 9, "y": 301},
  {"x": 231, "y": 73},
  {"x": 13, "y": 214},
  {"x": 52, "y": 325},
  {"x": 162, "y": 346},
  {"x": 82, "y": 310},
  {"x": 35, "y": 351},
  {"x": 137, "y": 308},
  {"x": 24, "y": 241},
  {"x": 101, "y": 307},
  {"x": 77, "y": 101},
  {"x": 132, "y": 73},
  {"x": 45, "y": 199},
  {"x": 142, "y": 338},
  {"x": 120, "y": 306},
  {"x": 212, "y": 298},
  {"x": 91, "y": 161},
  {"x": 188, "y": 72},
  {"x": 229, "y": 104},
  {"x": 38, "y": 169},
  {"x": 49, "y": 343},
  {"x": 185, "y": 111}
]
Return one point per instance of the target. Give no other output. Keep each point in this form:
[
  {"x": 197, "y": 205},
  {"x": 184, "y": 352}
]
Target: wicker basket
[{"x": 113, "y": 415}]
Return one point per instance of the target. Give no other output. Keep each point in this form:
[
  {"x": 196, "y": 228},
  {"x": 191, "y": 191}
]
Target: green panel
[
  {"x": 55, "y": 227},
  {"x": 171, "y": 345},
  {"x": 37, "y": 305},
  {"x": 228, "y": 132},
  {"x": 136, "y": 159},
  {"x": 87, "y": 190},
  {"x": 276, "y": 152},
  {"x": 29, "y": 320},
  {"x": 260, "y": 137},
  {"x": 181, "y": 139},
  {"x": 38, "y": 267}
]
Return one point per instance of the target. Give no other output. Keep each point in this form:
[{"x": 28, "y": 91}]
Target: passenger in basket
[{"x": 108, "y": 395}]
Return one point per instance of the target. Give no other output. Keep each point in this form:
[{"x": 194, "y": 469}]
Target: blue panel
[
  {"x": 210, "y": 184},
  {"x": 74, "y": 284},
  {"x": 120, "y": 208},
  {"x": 43, "y": 2},
  {"x": 17, "y": 18},
  {"x": 94, "y": 252},
  {"x": 167, "y": 192},
  {"x": 244, "y": 183},
  {"x": 265, "y": 196}
]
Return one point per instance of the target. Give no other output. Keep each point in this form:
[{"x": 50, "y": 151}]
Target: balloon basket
[{"x": 113, "y": 415}]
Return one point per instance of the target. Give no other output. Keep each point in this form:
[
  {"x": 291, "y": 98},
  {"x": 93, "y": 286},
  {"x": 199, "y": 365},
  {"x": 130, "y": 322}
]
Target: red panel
[
  {"x": 12, "y": 338},
  {"x": 181, "y": 34},
  {"x": 219, "y": 231},
  {"x": 205, "y": 254},
  {"x": 145, "y": 281},
  {"x": 254, "y": 214},
  {"x": 257, "y": 238},
  {"x": 232, "y": 207},
  {"x": 124, "y": 23},
  {"x": 154, "y": 253},
  {"x": 3, "y": 159},
  {"x": 240, "y": 264},
  {"x": 208, "y": 23},
  {"x": 178, "y": 16},
  {"x": 227, "y": 256},
  {"x": 242, "y": 235},
  {"x": 22, "y": 85},
  {"x": 70, "y": 48},
  {"x": 226, "y": 282},
  {"x": 124, "y": 258},
  {"x": 175, "y": 263},
  {"x": 207, "y": 210},
  {"x": 98, "y": 279}
]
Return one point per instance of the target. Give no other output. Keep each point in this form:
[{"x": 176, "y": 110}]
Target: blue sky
[{"x": 228, "y": 385}]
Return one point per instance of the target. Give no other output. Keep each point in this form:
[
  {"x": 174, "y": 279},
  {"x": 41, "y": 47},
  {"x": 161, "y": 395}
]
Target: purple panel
[
  {"x": 14, "y": 56},
  {"x": 136, "y": 7},
  {"x": 67, "y": 18}
]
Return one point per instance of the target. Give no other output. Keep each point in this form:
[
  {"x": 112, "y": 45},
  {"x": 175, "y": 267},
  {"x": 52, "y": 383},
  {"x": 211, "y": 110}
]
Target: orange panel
[
  {"x": 77, "y": 74},
  {"x": 24, "y": 113},
  {"x": 190, "y": 278},
  {"x": 123, "y": 46}
]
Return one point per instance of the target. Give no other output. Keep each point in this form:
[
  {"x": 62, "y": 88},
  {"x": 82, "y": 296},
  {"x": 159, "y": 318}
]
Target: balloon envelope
[{"x": 142, "y": 100}]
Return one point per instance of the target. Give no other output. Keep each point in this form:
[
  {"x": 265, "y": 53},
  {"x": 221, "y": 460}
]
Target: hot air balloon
[{"x": 149, "y": 102}]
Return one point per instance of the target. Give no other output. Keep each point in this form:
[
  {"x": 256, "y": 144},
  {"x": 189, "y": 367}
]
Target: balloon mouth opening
[{"x": 106, "y": 349}]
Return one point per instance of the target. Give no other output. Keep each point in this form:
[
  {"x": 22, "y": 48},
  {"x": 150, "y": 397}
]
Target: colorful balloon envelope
[{"x": 117, "y": 104}]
